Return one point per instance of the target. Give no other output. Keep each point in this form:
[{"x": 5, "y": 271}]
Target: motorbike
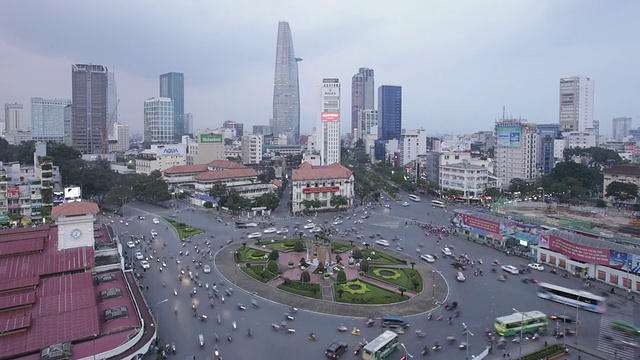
[
  {"x": 462, "y": 345},
  {"x": 451, "y": 306},
  {"x": 201, "y": 340},
  {"x": 275, "y": 327},
  {"x": 429, "y": 317},
  {"x": 451, "y": 339},
  {"x": 203, "y": 317},
  {"x": 502, "y": 278},
  {"x": 175, "y": 292},
  {"x": 436, "y": 347},
  {"x": 242, "y": 307},
  {"x": 234, "y": 326},
  {"x": 355, "y": 331},
  {"x": 173, "y": 348},
  {"x": 248, "y": 332},
  {"x": 342, "y": 328},
  {"x": 290, "y": 330},
  {"x": 219, "y": 319},
  {"x": 456, "y": 314},
  {"x": 288, "y": 316},
  {"x": 420, "y": 333},
  {"x": 370, "y": 322},
  {"x": 229, "y": 337},
  {"x": 425, "y": 351},
  {"x": 553, "y": 271},
  {"x": 216, "y": 353},
  {"x": 312, "y": 337},
  {"x": 254, "y": 303}
]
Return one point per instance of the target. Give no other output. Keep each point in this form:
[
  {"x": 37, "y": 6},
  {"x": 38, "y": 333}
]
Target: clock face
[{"x": 76, "y": 234}]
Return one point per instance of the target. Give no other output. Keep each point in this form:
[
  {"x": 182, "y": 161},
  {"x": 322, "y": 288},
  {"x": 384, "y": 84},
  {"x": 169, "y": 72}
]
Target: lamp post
[
  {"x": 123, "y": 203},
  {"x": 521, "y": 326},
  {"x": 406, "y": 352},
  {"x": 94, "y": 346},
  {"x": 541, "y": 188},
  {"x": 158, "y": 320},
  {"x": 577, "y": 321},
  {"x": 467, "y": 332}
]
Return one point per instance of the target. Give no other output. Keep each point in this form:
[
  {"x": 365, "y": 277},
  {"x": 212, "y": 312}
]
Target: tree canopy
[{"x": 622, "y": 191}]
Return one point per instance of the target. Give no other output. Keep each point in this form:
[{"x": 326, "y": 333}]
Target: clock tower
[{"x": 75, "y": 224}]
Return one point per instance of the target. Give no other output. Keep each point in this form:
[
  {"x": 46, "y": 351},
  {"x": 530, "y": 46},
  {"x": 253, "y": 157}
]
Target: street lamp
[
  {"x": 521, "y": 327},
  {"x": 158, "y": 320},
  {"x": 406, "y": 352},
  {"x": 123, "y": 203},
  {"x": 467, "y": 332},
  {"x": 94, "y": 346}
]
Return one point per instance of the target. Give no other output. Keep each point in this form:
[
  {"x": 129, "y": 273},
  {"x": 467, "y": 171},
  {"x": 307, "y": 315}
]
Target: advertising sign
[
  {"x": 72, "y": 192},
  {"x": 170, "y": 149},
  {"x": 210, "y": 138},
  {"x": 480, "y": 223},
  {"x": 331, "y": 91},
  {"x": 13, "y": 192},
  {"x": 509, "y": 136},
  {"x": 330, "y": 116},
  {"x": 321, "y": 189},
  {"x": 455, "y": 146}
]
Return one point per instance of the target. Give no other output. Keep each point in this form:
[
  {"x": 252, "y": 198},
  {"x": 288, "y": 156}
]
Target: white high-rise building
[
  {"x": 13, "y": 117},
  {"x": 112, "y": 102},
  {"x": 329, "y": 124},
  {"x": 47, "y": 119},
  {"x": 516, "y": 151},
  {"x": 251, "y": 149},
  {"x": 120, "y": 137},
  {"x": 413, "y": 142},
  {"x": 367, "y": 124},
  {"x": 576, "y": 103},
  {"x": 621, "y": 127},
  {"x": 158, "y": 120}
]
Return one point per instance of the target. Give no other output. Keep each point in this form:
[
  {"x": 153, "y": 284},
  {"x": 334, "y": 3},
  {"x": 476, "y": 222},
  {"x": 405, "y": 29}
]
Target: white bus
[
  {"x": 381, "y": 347},
  {"x": 415, "y": 198},
  {"x": 578, "y": 298},
  {"x": 437, "y": 203}
]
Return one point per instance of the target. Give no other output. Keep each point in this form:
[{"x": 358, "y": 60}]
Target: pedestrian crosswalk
[
  {"x": 388, "y": 224},
  {"x": 611, "y": 341}
]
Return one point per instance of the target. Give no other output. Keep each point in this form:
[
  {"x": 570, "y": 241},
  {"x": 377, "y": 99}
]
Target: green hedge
[
  {"x": 307, "y": 289},
  {"x": 257, "y": 273},
  {"x": 548, "y": 352}
]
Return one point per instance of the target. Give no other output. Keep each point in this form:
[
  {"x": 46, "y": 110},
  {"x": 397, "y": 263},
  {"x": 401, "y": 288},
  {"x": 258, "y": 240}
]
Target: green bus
[
  {"x": 625, "y": 327},
  {"x": 381, "y": 347},
  {"x": 527, "y": 322}
]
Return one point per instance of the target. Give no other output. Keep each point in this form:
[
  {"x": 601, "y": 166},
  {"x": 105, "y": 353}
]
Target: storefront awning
[{"x": 526, "y": 237}]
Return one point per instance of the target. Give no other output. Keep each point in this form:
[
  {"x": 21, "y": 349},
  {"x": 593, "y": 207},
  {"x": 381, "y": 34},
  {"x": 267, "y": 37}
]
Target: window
[{"x": 613, "y": 279}]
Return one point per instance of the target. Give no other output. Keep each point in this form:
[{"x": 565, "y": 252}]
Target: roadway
[{"x": 481, "y": 298}]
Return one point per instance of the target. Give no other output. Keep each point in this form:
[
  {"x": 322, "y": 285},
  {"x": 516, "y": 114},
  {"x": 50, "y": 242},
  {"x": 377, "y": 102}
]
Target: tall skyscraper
[
  {"x": 390, "y": 111},
  {"x": 47, "y": 119},
  {"x": 172, "y": 87},
  {"x": 13, "y": 117},
  {"x": 188, "y": 123},
  {"x": 286, "y": 95},
  {"x": 158, "y": 120},
  {"x": 329, "y": 127},
  {"x": 112, "y": 102},
  {"x": 362, "y": 94},
  {"x": 621, "y": 127},
  {"x": 89, "y": 87},
  {"x": 576, "y": 103}
]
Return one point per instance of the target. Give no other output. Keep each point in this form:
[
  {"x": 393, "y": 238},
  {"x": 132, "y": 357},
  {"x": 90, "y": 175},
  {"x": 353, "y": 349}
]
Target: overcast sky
[{"x": 458, "y": 62}]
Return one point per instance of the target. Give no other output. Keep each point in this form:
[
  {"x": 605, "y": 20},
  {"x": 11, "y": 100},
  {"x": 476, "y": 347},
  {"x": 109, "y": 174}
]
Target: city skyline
[{"x": 461, "y": 55}]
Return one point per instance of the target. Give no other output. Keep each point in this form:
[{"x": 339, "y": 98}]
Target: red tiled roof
[
  {"x": 626, "y": 169},
  {"x": 226, "y": 174},
  {"x": 310, "y": 172},
  {"x": 225, "y": 164},
  {"x": 276, "y": 182},
  {"x": 75, "y": 208},
  {"x": 185, "y": 169}
]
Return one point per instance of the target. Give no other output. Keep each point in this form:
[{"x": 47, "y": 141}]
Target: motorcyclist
[{"x": 312, "y": 336}]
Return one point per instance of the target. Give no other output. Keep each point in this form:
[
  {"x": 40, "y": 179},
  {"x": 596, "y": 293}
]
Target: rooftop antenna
[{"x": 504, "y": 109}]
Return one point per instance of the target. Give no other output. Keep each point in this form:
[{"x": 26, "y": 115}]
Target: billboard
[
  {"x": 455, "y": 146},
  {"x": 210, "y": 138},
  {"x": 320, "y": 189},
  {"x": 169, "y": 149},
  {"x": 330, "y": 116},
  {"x": 509, "y": 135},
  {"x": 73, "y": 192},
  {"x": 13, "y": 192}
]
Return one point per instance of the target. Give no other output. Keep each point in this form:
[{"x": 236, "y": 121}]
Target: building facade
[
  {"x": 13, "y": 117},
  {"x": 413, "y": 142},
  {"x": 329, "y": 125},
  {"x": 471, "y": 180},
  {"x": 576, "y": 103},
  {"x": 516, "y": 151},
  {"x": 172, "y": 87},
  {"x": 626, "y": 173},
  {"x": 238, "y": 128},
  {"x": 362, "y": 95},
  {"x": 367, "y": 124},
  {"x": 158, "y": 120},
  {"x": 390, "y": 111},
  {"x": 252, "y": 149},
  {"x": 120, "y": 140},
  {"x": 206, "y": 147},
  {"x": 89, "y": 87},
  {"x": 112, "y": 102},
  {"x": 286, "y": 93},
  {"x": 47, "y": 119},
  {"x": 320, "y": 183},
  {"x": 621, "y": 127}
]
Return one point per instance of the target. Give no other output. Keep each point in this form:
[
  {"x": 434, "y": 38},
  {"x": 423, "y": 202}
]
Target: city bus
[
  {"x": 625, "y": 327},
  {"x": 415, "y": 198},
  {"x": 437, "y": 203},
  {"x": 577, "y": 298},
  {"x": 381, "y": 347},
  {"x": 527, "y": 322}
]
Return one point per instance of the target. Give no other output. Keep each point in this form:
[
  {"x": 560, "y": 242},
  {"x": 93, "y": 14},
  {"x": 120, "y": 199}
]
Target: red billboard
[
  {"x": 321, "y": 189},
  {"x": 330, "y": 116},
  {"x": 575, "y": 251},
  {"x": 480, "y": 223},
  {"x": 13, "y": 192}
]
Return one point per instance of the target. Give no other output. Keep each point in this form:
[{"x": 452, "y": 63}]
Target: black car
[
  {"x": 458, "y": 266},
  {"x": 562, "y": 318},
  {"x": 336, "y": 349}
]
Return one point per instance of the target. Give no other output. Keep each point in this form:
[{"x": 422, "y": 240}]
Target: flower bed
[{"x": 362, "y": 292}]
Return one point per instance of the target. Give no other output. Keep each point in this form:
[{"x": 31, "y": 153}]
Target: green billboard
[{"x": 211, "y": 138}]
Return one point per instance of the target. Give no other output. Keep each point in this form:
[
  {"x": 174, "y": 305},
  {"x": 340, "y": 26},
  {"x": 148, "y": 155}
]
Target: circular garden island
[{"x": 338, "y": 271}]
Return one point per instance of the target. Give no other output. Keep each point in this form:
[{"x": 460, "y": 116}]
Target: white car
[
  {"x": 156, "y": 221},
  {"x": 309, "y": 226},
  {"x": 382, "y": 242},
  {"x": 535, "y": 266},
  {"x": 138, "y": 255},
  {"x": 316, "y": 229},
  {"x": 206, "y": 269},
  {"x": 131, "y": 244},
  {"x": 337, "y": 222},
  {"x": 428, "y": 258},
  {"x": 251, "y": 225},
  {"x": 282, "y": 231},
  {"x": 387, "y": 206},
  {"x": 269, "y": 230},
  {"x": 405, "y": 204},
  {"x": 358, "y": 221},
  {"x": 460, "y": 276},
  {"x": 254, "y": 235},
  {"x": 144, "y": 264},
  {"x": 154, "y": 233},
  {"x": 447, "y": 252},
  {"x": 511, "y": 269}
]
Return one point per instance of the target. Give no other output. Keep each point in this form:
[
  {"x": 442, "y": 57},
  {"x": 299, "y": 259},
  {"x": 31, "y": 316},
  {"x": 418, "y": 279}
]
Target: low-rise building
[
  {"x": 469, "y": 179},
  {"x": 207, "y": 147},
  {"x": 321, "y": 183},
  {"x": 627, "y": 173},
  {"x": 252, "y": 149}
]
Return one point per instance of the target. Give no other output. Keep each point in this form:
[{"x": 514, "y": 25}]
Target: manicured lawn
[
  {"x": 362, "y": 292},
  {"x": 308, "y": 289},
  {"x": 280, "y": 245},
  {"x": 257, "y": 272},
  {"x": 380, "y": 257},
  {"x": 340, "y": 247},
  {"x": 398, "y": 276},
  {"x": 247, "y": 254},
  {"x": 184, "y": 231}
]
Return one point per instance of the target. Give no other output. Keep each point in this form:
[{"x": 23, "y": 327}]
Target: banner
[
  {"x": 330, "y": 116},
  {"x": 590, "y": 254},
  {"x": 508, "y": 136}
]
